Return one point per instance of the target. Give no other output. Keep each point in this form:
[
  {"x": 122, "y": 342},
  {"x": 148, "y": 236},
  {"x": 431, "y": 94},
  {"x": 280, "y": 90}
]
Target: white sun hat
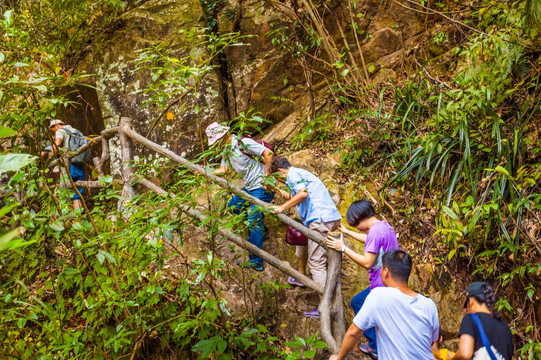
[
  {"x": 55, "y": 122},
  {"x": 215, "y": 132}
]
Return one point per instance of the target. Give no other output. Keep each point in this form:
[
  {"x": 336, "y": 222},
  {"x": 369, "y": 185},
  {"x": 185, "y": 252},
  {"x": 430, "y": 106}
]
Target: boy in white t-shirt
[{"x": 406, "y": 322}]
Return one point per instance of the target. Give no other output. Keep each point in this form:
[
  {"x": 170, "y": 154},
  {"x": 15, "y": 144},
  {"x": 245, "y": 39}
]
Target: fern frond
[{"x": 533, "y": 12}]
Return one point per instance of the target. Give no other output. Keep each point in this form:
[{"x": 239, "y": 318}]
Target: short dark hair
[
  {"x": 359, "y": 211},
  {"x": 279, "y": 162},
  {"x": 399, "y": 264}
]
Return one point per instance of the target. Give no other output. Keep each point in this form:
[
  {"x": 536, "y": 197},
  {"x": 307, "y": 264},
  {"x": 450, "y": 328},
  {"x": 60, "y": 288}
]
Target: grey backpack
[{"x": 76, "y": 140}]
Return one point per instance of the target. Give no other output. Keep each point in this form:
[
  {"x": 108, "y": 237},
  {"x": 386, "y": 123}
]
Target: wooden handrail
[
  {"x": 281, "y": 265},
  {"x": 321, "y": 240},
  {"x": 331, "y": 306}
]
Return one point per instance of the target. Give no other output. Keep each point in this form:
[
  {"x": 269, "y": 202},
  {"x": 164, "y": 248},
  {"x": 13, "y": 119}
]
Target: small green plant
[
  {"x": 440, "y": 38},
  {"x": 306, "y": 347}
]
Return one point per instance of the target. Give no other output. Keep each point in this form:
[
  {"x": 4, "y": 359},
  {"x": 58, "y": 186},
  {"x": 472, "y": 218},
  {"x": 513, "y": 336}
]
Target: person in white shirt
[{"x": 406, "y": 322}]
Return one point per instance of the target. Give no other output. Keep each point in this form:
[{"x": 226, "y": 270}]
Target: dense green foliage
[{"x": 105, "y": 283}]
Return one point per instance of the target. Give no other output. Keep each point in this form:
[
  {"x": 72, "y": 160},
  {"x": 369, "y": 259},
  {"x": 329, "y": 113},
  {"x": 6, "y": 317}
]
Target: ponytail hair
[{"x": 489, "y": 299}]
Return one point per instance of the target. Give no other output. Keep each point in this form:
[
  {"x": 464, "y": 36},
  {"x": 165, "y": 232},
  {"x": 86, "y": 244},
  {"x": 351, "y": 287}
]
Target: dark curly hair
[{"x": 489, "y": 299}]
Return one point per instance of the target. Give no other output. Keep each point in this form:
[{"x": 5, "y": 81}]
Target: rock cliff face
[
  {"x": 120, "y": 89},
  {"x": 257, "y": 75}
]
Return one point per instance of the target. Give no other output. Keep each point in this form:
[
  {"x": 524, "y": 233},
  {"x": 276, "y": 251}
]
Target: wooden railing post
[
  {"x": 126, "y": 158},
  {"x": 331, "y": 308}
]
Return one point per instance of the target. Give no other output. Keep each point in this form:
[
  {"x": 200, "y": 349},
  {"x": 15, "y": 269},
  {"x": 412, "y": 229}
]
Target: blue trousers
[
  {"x": 77, "y": 172},
  {"x": 356, "y": 304},
  {"x": 255, "y": 218}
]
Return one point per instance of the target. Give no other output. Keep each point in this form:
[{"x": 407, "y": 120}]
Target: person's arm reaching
[
  {"x": 221, "y": 170},
  {"x": 351, "y": 338},
  {"x": 293, "y": 201},
  {"x": 357, "y": 236},
  {"x": 466, "y": 344},
  {"x": 286, "y": 195},
  {"x": 366, "y": 260}
]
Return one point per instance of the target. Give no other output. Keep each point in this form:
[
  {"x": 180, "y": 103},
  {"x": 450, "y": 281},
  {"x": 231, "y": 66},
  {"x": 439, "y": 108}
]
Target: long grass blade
[{"x": 454, "y": 179}]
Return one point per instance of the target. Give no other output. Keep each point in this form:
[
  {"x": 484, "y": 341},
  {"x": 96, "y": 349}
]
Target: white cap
[{"x": 55, "y": 122}]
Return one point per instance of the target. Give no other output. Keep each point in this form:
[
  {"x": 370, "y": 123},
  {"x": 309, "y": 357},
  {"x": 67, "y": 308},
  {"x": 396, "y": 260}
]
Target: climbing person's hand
[
  {"x": 335, "y": 243},
  {"x": 344, "y": 229},
  {"x": 334, "y": 357},
  {"x": 275, "y": 209}
]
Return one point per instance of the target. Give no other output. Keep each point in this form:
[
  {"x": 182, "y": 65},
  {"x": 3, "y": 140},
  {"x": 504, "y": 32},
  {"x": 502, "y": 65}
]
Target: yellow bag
[{"x": 443, "y": 354}]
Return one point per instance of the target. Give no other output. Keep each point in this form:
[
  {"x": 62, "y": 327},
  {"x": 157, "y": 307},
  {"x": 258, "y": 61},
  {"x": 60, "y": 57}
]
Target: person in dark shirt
[{"x": 480, "y": 300}]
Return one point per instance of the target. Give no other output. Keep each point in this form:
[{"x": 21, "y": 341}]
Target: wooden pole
[
  {"x": 333, "y": 324},
  {"x": 280, "y": 265},
  {"x": 127, "y": 156},
  {"x": 321, "y": 240}
]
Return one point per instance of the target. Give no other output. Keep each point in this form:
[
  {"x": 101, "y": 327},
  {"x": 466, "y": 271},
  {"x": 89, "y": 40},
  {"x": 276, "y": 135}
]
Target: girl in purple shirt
[{"x": 379, "y": 238}]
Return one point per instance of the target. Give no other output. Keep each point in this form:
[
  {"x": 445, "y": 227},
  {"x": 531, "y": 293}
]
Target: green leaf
[
  {"x": 292, "y": 344},
  {"x": 5, "y": 131},
  {"x": 222, "y": 345},
  {"x": 320, "y": 345},
  {"x": 309, "y": 354},
  {"x": 20, "y": 64},
  {"x": 104, "y": 254},
  {"x": 21, "y": 323},
  {"x": 72, "y": 271},
  {"x": 7, "y": 17},
  {"x": 41, "y": 87},
  {"x": 6, "y": 209},
  {"x": 249, "y": 332},
  {"x": 339, "y": 64},
  {"x": 57, "y": 225},
  {"x": 371, "y": 68},
  {"x": 101, "y": 257},
  {"x": 301, "y": 340},
  {"x": 8, "y": 241},
  {"x": 2, "y": 57},
  {"x": 502, "y": 170},
  {"x": 14, "y": 162},
  {"x": 207, "y": 346},
  {"x": 344, "y": 72},
  {"x": 450, "y": 213}
]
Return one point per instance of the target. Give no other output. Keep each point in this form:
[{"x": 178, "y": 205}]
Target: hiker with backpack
[
  {"x": 250, "y": 159},
  {"x": 483, "y": 334},
  {"x": 68, "y": 138},
  {"x": 317, "y": 211}
]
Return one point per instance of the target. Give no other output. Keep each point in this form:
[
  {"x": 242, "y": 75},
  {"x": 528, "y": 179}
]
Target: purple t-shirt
[{"x": 379, "y": 239}]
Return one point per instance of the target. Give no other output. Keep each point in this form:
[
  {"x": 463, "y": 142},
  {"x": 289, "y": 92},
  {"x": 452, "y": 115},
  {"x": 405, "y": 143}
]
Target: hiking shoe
[
  {"x": 366, "y": 349},
  {"x": 250, "y": 264},
  {"x": 292, "y": 281},
  {"x": 312, "y": 313}
]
